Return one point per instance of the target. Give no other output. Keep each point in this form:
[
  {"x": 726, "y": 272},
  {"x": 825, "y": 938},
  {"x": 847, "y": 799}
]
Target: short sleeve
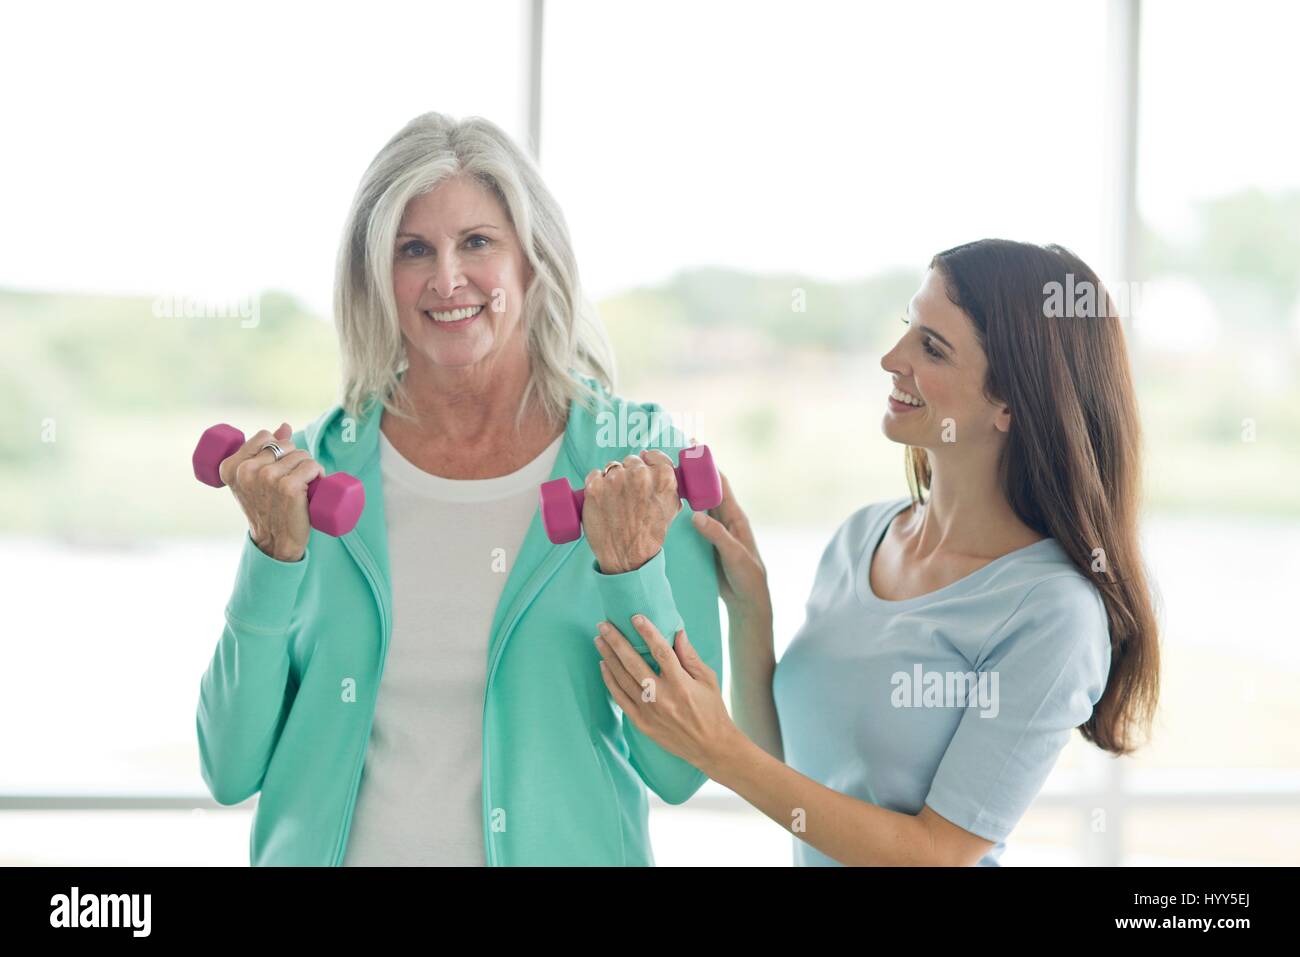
[{"x": 1045, "y": 669}]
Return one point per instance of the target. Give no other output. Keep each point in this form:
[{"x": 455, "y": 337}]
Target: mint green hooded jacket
[{"x": 286, "y": 704}]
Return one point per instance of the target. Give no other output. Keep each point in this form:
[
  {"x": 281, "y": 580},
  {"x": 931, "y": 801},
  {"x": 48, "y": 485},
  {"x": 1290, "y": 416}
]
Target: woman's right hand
[
  {"x": 742, "y": 577},
  {"x": 273, "y": 494}
]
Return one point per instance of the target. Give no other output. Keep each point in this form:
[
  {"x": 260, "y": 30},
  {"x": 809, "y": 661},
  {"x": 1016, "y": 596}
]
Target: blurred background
[{"x": 716, "y": 162}]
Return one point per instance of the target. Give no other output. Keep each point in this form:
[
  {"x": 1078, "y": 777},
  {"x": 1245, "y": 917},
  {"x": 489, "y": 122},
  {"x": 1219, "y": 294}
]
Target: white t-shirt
[{"x": 451, "y": 545}]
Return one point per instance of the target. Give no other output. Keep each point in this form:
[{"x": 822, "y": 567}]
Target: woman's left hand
[
  {"x": 627, "y": 508},
  {"x": 681, "y": 708}
]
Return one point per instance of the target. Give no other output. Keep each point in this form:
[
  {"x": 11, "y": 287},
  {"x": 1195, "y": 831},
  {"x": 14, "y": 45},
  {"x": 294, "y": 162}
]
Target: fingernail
[
  {"x": 698, "y": 518},
  {"x": 639, "y": 619},
  {"x": 601, "y": 626}
]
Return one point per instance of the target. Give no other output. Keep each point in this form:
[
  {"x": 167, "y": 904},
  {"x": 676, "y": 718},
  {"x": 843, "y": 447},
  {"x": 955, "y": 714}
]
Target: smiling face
[
  {"x": 940, "y": 364},
  {"x": 459, "y": 277}
]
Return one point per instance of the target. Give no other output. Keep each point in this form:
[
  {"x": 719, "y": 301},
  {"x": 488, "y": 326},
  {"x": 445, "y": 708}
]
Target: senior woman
[
  {"x": 956, "y": 636},
  {"x": 423, "y": 690}
]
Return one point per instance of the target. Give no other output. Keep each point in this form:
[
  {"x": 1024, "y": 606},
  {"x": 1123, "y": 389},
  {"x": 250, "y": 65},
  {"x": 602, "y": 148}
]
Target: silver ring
[{"x": 275, "y": 450}]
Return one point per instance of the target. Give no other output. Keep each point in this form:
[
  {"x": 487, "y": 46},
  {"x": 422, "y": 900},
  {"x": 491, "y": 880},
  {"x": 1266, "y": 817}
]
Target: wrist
[
  {"x": 270, "y": 549},
  {"x": 620, "y": 566},
  {"x": 751, "y": 618},
  {"x": 723, "y": 756}
]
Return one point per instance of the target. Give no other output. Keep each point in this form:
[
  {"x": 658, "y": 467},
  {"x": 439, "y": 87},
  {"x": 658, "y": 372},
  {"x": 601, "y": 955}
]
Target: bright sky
[{"x": 169, "y": 149}]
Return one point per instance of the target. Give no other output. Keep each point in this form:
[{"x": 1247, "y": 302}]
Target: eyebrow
[
  {"x": 929, "y": 331},
  {"x": 467, "y": 229}
]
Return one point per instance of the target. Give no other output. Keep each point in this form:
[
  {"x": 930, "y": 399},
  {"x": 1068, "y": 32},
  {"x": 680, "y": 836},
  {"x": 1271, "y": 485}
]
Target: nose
[
  {"x": 447, "y": 276},
  {"x": 892, "y": 361}
]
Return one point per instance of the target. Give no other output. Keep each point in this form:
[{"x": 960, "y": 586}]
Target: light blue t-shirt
[{"x": 961, "y": 699}]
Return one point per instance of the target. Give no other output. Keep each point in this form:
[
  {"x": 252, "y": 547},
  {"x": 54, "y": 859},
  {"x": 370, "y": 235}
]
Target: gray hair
[{"x": 563, "y": 332}]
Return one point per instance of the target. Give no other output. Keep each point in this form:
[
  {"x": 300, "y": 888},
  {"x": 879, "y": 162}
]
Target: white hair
[{"x": 562, "y": 330}]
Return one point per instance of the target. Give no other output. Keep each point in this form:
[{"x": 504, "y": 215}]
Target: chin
[{"x": 894, "y": 432}]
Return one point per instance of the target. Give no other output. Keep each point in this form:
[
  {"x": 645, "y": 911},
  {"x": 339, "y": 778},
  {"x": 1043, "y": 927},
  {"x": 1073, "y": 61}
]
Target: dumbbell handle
[{"x": 343, "y": 495}]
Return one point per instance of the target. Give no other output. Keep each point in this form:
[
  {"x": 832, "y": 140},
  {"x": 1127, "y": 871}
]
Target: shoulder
[
  {"x": 870, "y": 521},
  {"x": 1058, "y": 615},
  {"x": 1067, "y": 590},
  {"x": 861, "y": 530},
  {"x": 1044, "y": 582},
  {"x": 340, "y": 440},
  {"x": 619, "y": 426},
  {"x": 310, "y": 435}
]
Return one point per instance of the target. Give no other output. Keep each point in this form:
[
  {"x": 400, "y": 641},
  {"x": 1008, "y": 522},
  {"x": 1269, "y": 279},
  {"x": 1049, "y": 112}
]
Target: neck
[
  {"x": 468, "y": 406},
  {"x": 967, "y": 512}
]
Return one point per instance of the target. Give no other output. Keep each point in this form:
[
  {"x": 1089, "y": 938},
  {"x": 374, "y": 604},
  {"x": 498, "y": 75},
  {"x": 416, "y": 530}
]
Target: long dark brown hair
[{"x": 1071, "y": 467}]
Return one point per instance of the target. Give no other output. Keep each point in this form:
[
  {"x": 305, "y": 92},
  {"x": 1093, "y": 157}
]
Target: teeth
[
  {"x": 901, "y": 396},
  {"x": 454, "y": 316}
]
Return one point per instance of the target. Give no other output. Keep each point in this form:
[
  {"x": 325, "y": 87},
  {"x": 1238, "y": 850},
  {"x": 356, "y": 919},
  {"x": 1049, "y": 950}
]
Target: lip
[
  {"x": 901, "y": 407},
  {"x": 459, "y": 323}
]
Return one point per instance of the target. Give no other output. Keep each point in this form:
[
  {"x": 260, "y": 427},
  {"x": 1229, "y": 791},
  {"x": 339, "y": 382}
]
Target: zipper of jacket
[
  {"x": 362, "y": 557},
  {"x": 489, "y": 847},
  {"x": 558, "y": 556},
  {"x": 489, "y": 850}
]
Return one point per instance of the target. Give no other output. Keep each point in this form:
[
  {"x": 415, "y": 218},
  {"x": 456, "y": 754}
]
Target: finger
[
  {"x": 250, "y": 458},
  {"x": 690, "y": 659},
  {"x": 633, "y": 462},
  {"x": 307, "y": 471},
  {"x": 283, "y": 437},
  {"x": 592, "y": 477},
  {"x": 669, "y": 666},
  {"x": 728, "y": 509},
  {"x": 618, "y": 671},
  {"x": 301, "y": 474},
  {"x": 255, "y": 448},
  {"x": 621, "y": 697},
  {"x": 251, "y": 446},
  {"x": 731, "y": 515},
  {"x": 716, "y": 534},
  {"x": 625, "y": 653},
  {"x": 660, "y": 468},
  {"x": 656, "y": 458},
  {"x": 277, "y": 470}
]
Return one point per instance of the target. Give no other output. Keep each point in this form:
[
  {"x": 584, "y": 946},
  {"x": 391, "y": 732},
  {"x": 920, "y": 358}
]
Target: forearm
[
  {"x": 753, "y": 663},
  {"x": 246, "y": 691},
  {"x": 849, "y": 830},
  {"x": 646, "y": 590}
]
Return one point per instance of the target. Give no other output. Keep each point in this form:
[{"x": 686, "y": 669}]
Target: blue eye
[
  {"x": 406, "y": 250},
  {"x": 486, "y": 241}
]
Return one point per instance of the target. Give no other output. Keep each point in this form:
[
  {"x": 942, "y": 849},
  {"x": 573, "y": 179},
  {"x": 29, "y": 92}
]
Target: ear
[{"x": 1002, "y": 421}]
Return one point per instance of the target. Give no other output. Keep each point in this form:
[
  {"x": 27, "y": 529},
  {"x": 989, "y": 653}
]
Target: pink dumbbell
[
  {"x": 334, "y": 502},
  {"x": 697, "y": 482}
]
